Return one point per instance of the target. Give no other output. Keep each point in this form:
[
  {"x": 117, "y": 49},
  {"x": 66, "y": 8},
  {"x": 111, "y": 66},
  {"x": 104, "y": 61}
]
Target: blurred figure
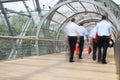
[
  {"x": 93, "y": 42},
  {"x": 71, "y": 36},
  {"x": 82, "y": 32},
  {"x": 104, "y": 31}
]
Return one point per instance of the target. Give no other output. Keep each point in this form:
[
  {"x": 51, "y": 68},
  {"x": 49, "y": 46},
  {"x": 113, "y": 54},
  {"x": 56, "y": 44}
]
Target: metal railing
[{"x": 28, "y": 47}]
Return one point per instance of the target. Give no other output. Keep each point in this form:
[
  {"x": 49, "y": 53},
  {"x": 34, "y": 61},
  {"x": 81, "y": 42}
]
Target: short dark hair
[
  {"x": 104, "y": 17},
  {"x": 73, "y": 19},
  {"x": 81, "y": 23}
]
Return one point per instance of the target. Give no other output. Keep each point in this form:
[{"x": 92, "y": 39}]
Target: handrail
[{"x": 30, "y": 38}]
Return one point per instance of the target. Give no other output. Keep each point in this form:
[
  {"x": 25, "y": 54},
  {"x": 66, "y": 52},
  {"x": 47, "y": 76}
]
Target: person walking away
[
  {"x": 104, "y": 31},
  {"x": 71, "y": 37},
  {"x": 82, "y": 32},
  {"x": 93, "y": 42}
]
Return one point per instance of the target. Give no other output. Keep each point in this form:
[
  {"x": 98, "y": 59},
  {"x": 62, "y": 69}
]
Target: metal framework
[
  {"x": 87, "y": 11},
  {"x": 100, "y": 9},
  {"x": 25, "y": 27}
]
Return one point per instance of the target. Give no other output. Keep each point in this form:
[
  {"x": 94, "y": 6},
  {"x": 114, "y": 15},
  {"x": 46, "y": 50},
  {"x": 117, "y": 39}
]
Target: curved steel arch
[
  {"x": 53, "y": 10},
  {"x": 51, "y": 13},
  {"x": 62, "y": 25}
]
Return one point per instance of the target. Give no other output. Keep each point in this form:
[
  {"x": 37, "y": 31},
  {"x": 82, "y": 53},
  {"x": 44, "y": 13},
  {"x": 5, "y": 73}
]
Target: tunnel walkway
[{"x": 56, "y": 67}]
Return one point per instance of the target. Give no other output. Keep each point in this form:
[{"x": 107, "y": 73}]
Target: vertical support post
[
  {"x": 9, "y": 29},
  {"x": 38, "y": 6},
  {"x": 7, "y": 20}
]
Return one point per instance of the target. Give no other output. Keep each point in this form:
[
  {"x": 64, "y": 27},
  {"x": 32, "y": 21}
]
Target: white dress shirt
[
  {"x": 82, "y": 31},
  {"x": 104, "y": 28},
  {"x": 93, "y": 33},
  {"x": 71, "y": 29}
]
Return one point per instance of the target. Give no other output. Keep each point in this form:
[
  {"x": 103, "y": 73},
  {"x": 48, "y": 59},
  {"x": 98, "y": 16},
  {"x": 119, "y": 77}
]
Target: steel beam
[{"x": 7, "y": 20}]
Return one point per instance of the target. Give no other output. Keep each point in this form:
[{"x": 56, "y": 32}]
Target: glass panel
[
  {"x": 89, "y": 7},
  {"x": 10, "y": 0},
  {"x": 77, "y": 6},
  {"x": 12, "y": 6},
  {"x": 44, "y": 4},
  {"x": 47, "y": 4},
  {"x": 65, "y": 11},
  {"x": 58, "y": 18},
  {"x": 116, "y": 1},
  {"x": 83, "y": 16}
]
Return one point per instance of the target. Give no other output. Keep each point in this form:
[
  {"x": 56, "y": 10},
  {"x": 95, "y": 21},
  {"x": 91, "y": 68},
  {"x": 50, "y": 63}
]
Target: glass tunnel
[
  {"x": 41, "y": 26},
  {"x": 35, "y": 27}
]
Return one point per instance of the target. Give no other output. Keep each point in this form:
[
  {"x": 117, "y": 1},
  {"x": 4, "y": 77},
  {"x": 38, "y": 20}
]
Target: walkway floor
[{"x": 56, "y": 67}]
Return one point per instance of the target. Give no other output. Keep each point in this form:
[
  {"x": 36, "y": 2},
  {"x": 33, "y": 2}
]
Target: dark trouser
[
  {"x": 94, "y": 50},
  {"x": 103, "y": 42},
  {"x": 81, "y": 46},
  {"x": 72, "y": 41}
]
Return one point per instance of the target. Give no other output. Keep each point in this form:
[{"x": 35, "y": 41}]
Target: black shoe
[
  {"x": 94, "y": 57},
  {"x": 80, "y": 57},
  {"x": 71, "y": 61},
  {"x": 104, "y": 62}
]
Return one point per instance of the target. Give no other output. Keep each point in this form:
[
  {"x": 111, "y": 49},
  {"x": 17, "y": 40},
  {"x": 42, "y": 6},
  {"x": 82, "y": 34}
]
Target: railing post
[{"x": 117, "y": 56}]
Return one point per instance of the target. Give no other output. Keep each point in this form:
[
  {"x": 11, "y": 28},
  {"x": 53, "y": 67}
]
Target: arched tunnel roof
[{"x": 88, "y": 12}]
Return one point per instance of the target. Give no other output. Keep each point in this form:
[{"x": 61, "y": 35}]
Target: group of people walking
[{"x": 75, "y": 33}]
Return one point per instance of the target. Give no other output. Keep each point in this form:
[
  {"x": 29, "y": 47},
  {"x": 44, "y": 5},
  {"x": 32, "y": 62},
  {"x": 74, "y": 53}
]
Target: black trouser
[
  {"x": 81, "y": 46},
  {"x": 94, "y": 49},
  {"x": 72, "y": 41},
  {"x": 103, "y": 42}
]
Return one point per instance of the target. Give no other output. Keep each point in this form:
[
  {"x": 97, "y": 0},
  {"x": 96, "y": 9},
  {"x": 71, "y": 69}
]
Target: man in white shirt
[
  {"x": 82, "y": 32},
  {"x": 93, "y": 42},
  {"x": 71, "y": 36},
  {"x": 104, "y": 31}
]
